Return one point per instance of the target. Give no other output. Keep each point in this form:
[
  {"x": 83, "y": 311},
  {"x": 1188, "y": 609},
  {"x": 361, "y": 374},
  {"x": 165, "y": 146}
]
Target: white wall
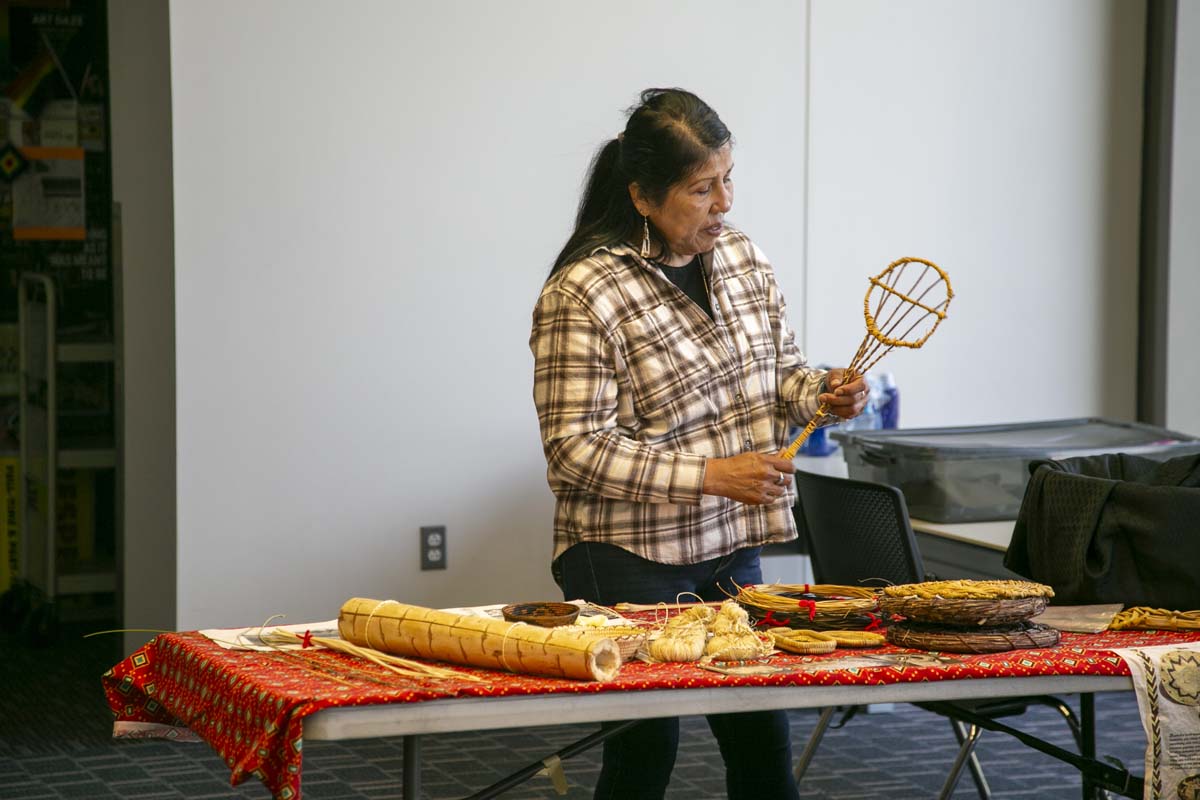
[
  {"x": 366, "y": 204},
  {"x": 1000, "y": 140},
  {"x": 1183, "y": 321},
  {"x": 141, "y": 154},
  {"x": 367, "y": 201}
]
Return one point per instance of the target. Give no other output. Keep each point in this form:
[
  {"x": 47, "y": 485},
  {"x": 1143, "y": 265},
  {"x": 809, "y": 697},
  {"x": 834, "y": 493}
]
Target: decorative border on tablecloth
[
  {"x": 1155, "y": 765},
  {"x": 154, "y": 730}
]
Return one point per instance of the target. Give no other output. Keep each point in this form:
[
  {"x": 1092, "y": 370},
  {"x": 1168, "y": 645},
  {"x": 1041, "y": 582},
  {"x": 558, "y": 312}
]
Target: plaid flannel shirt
[{"x": 636, "y": 387}]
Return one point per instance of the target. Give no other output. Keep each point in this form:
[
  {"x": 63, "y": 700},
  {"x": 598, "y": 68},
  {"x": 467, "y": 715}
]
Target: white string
[
  {"x": 367, "y": 629},
  {"x": 503, "y": 641}
]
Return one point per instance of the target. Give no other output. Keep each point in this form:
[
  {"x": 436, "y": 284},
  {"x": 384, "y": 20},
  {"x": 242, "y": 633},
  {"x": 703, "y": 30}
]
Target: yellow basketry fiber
[
  {"x": 685, "y": 636},
  {"x": 772, "y": 605},
  {"x": 839, "y": 638},
  {"x": 747, "y": 645},
  {"x": 776, "y": 597},
  {"x": 857, "y": 638},
  {"x": 967, "y": 589},
  {"x": 1143, "y": 618},
  {"x": 769, "y": 593},
  {"x": 682, "y": 639},
  {"x": 803, "y": 642}
]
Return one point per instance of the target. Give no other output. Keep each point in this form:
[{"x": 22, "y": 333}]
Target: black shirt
[{"x": 690, "y": 280}]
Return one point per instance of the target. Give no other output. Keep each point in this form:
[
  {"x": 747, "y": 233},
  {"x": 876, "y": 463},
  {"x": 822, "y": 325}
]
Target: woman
[{"x": 665, "y": 379}]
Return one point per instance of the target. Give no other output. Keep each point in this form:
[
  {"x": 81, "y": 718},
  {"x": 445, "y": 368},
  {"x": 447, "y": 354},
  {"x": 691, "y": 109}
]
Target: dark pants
[{"x": 756, "y": 746}]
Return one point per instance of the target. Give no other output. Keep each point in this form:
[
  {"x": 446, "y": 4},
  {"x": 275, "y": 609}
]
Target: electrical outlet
[{"x": 433, "y": 547}]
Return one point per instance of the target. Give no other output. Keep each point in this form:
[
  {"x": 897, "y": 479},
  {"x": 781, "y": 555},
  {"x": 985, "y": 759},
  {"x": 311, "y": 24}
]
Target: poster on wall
[
  {"x": 55, "y": 170},
  {"x": 47, "y": 197}
]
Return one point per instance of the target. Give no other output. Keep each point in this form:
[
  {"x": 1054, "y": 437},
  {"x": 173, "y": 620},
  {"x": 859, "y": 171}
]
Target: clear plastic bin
[{"x": 977, "y": 473}]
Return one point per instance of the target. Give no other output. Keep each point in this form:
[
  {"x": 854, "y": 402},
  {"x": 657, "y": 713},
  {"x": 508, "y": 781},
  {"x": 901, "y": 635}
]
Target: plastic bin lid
[{"x": 1050, "y": 436}]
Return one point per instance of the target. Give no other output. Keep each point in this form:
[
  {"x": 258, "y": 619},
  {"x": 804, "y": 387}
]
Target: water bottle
[
  {"x": 817, "y": 444},
  {"x": 889, "y": 409},
  {"x": 870, "y": 419},
  {"x": 882, "y": 411}
]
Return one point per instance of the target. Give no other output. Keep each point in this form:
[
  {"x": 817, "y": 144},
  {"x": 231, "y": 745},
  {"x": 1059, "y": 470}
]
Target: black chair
[{"x": 859, "y": 534}]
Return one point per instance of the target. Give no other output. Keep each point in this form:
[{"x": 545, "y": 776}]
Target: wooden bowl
[{"x": 547, "y": 615}]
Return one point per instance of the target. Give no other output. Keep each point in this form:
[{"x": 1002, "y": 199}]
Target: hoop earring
[{"x": 645, "y": 236}]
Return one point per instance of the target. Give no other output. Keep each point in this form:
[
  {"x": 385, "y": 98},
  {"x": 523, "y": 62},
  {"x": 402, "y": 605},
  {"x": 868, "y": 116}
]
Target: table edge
[{"x": 475, "y": 714}]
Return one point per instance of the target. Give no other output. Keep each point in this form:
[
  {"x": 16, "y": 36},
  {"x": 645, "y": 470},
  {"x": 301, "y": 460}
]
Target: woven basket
[
  {"x": 964, "y": 612},
  {"x": 823, "y": 617},
  {"x": 820, "y": 606},
  {"x": 1023, "y": 635},
  {"x": 628, "y": 645},
  {"x": 545, "y": 614},
  {"x": 627, "y": 640}
]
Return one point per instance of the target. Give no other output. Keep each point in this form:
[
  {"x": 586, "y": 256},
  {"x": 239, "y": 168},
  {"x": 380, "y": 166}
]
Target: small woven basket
[
  {"x": 965, "y": 612},
  {"x": 546, "y": 615},
  {"x": 627, "y": 638},
  {"x": 628, "y": 644},
  {"x": 944, "y": 639}
]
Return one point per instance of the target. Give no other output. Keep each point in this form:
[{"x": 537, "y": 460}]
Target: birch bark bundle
[{"x": 414, "y": 631}]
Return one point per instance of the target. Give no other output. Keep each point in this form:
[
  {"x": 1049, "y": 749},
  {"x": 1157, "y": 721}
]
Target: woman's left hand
[{"x": 846, "y": 400}]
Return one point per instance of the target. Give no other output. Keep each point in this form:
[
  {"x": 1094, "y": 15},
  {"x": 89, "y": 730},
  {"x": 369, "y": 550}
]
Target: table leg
[
  {"x": 412, "y": 768},
  {"x": 966, "y": 755},
  {"x": 1087, "y": 739},
  {"x": 814, "y": 740},
  {"x": 1096, "y": 775},
  {"x": 522, "y": 775}
]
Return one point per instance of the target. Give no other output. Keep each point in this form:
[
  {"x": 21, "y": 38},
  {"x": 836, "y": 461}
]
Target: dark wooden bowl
[{"x": 547, "y": 615}]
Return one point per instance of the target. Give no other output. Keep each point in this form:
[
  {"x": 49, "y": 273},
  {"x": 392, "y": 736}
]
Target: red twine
[
  {"x": 811, "y": 605},
  {"x": 770, "y": 619},
  {"x": 306, "y": 640},
  {"x": 874, "y": 622}
]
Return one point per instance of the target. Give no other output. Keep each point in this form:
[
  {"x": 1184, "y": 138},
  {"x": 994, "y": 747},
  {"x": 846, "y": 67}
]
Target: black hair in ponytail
[{"x": 669, "y": 135}]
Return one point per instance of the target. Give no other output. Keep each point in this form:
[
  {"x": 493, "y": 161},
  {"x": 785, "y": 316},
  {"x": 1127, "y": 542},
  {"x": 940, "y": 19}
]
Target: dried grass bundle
[
  {"x": 400, "y": 666},
  {"x": 680, "y": 642},
  {"x": 733, "y": 638}
]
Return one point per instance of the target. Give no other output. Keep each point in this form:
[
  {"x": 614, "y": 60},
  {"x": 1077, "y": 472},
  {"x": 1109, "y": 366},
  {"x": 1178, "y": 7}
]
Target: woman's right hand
[{"x": 753, "y": 478}]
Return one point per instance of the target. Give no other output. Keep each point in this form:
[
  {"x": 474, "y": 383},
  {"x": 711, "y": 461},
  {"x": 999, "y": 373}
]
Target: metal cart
[{"x": 32, "y": 604}]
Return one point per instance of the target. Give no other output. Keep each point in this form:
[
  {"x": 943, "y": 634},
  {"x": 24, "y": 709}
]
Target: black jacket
[{"x": 1112, "y": 528}]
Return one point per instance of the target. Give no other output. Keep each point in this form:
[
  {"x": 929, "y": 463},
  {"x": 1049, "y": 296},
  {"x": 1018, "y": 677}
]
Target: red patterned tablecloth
[{"x": 250, "y": 706}]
